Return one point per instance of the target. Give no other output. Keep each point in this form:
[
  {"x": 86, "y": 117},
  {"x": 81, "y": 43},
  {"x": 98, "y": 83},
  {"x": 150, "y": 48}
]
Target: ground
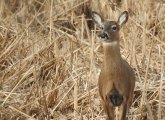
[{"x": 50, "y": 58}]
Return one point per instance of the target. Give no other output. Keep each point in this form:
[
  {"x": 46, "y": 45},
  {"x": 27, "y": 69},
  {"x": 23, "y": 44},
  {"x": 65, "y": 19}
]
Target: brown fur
[
  {"x": 117, "y": 80},
  {"x": 116, "y": 72}
]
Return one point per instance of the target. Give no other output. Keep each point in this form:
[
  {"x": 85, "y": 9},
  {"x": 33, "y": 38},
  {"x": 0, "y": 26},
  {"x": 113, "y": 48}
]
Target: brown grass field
[{"x": 50, "y": 58}]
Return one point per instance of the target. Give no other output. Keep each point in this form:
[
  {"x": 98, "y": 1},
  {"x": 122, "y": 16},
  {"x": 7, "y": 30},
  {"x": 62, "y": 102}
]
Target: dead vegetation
[{"x": 50, "y": 59}]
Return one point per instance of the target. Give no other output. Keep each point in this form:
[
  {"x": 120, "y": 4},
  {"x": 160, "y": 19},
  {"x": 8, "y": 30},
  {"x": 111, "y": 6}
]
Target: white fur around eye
[{"x": 114, "y": 27}]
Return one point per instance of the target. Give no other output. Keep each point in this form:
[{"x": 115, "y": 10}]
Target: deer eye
[{"x": 114, "y": 27}]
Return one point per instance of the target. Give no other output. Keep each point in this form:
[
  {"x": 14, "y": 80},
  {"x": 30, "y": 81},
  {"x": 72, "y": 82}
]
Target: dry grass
[{"x": 50, "y": 60}]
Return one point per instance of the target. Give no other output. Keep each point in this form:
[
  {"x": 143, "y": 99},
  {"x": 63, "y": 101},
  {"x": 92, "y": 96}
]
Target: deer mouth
[
  {"x": 108, "y": 40},
  {"x": 105, "y": 38}
]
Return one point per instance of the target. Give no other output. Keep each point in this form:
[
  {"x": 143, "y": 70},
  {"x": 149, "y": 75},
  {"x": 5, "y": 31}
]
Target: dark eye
[
  {"x": 114, "y": 27},
  {"x": 104, "y": 35}
]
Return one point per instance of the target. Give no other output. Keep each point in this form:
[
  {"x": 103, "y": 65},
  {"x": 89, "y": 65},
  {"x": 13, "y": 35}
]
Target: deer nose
[{"x": 104, "y": 35}]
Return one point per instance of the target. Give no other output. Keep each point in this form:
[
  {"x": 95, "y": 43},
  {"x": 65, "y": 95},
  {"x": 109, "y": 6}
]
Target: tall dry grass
[{"x": 50, "y": 59}]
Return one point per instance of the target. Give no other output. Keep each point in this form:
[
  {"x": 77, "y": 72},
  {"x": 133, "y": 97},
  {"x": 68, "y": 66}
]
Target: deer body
[{"x": 117, "y": 80}]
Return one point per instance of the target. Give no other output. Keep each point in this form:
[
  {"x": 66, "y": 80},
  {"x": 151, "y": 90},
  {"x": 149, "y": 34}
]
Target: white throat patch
[{"x": 113, "y": 43}]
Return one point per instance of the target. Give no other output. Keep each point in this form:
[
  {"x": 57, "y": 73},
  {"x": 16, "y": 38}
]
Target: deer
[{"x": 117, "y": 79}]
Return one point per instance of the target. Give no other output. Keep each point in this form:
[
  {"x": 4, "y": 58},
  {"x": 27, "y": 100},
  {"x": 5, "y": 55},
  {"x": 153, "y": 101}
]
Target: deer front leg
[
  {"x": 109, "y": 110},
  {"x": 123, "y": 111}
]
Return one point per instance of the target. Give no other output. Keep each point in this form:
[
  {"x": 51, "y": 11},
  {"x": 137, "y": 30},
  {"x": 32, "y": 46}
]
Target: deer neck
[{"x": 112, "y": 57}]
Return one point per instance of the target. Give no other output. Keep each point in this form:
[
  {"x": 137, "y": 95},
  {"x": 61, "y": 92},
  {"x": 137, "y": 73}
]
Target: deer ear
[
  {"x": 123, "y": 18},
  {"x": 97, "y": 19}
]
